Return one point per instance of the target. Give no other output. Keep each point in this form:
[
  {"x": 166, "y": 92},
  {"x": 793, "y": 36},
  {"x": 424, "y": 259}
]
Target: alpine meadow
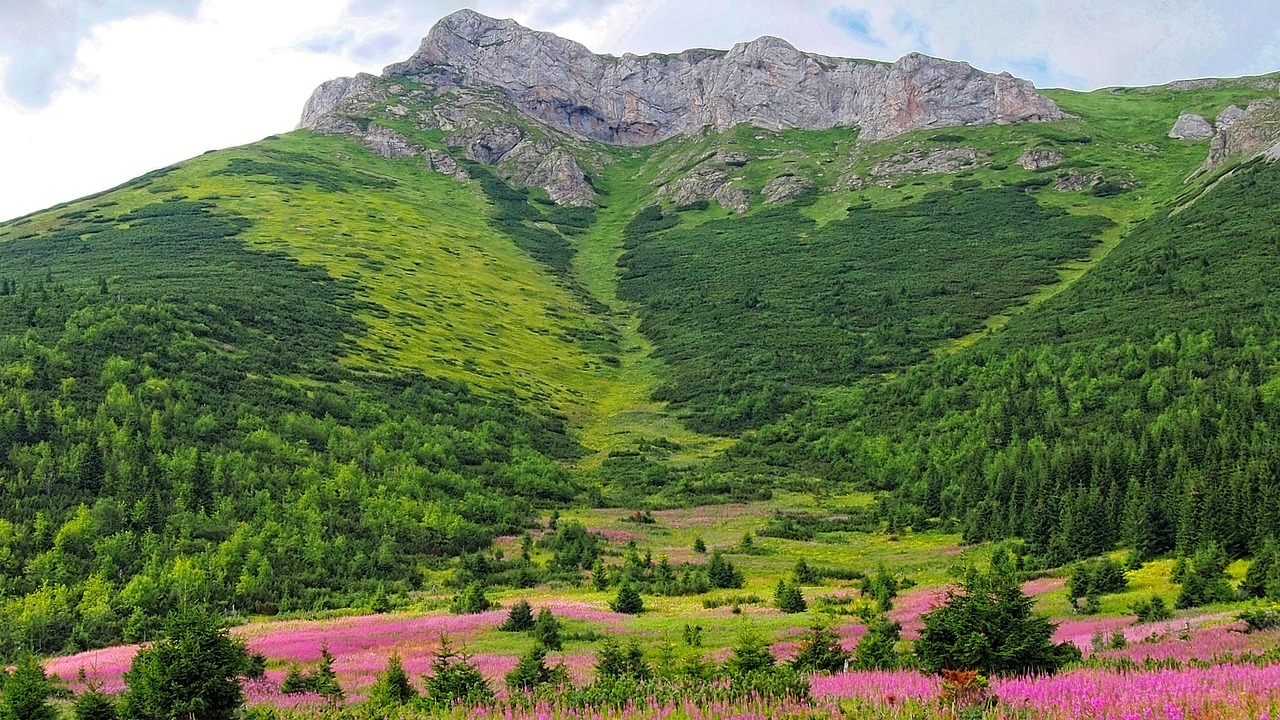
[{"x": 525, "y": 382}]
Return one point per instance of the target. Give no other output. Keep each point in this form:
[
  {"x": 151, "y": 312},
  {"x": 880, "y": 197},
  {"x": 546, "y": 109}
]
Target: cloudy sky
[{"x": 94, "y": 92}]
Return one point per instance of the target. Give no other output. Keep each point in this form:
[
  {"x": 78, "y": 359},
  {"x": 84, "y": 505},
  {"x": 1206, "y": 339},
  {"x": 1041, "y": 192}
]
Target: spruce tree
[
  {"x": 519, "y": 618},
  {"x": 393, "y": 688},
  {"x": 26, "y": 692},
  {"x": 628, "y": 601},
  {"x": 455, "y": 679},
  {"x": 193, "y": 672},
  {"x": 546, "y": 630},
  {"x": 988, "y": 625}
]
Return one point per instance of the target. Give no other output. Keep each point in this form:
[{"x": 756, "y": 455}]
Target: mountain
[
  {"x": 509, "y": 275},
  {"x": 641, "y": 100}
]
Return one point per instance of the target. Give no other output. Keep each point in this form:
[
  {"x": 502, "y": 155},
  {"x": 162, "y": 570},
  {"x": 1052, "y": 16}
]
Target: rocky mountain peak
[{"x": 641, "y": 99}]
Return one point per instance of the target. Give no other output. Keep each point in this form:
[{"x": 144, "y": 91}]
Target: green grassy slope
[{"x": 271, "y": 355}]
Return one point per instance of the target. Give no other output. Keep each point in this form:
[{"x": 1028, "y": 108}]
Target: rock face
[
  {"x": 329, "y": 94},
  {"x": 637, "y": 100},
  {"x": 389, "y": 143},
  {"x": 1191, "y": 127},
  {"x": 1253, "y": 131},
  {"x": 1228, "y": 116}
]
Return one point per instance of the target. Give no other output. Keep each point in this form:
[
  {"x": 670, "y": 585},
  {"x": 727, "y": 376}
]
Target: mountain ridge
[{"x": 638, "y": 100}]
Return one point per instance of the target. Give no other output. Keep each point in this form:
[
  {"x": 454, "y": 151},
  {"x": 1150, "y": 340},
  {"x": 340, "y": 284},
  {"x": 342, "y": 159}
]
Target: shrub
[{"x": 1256, "y": 619}]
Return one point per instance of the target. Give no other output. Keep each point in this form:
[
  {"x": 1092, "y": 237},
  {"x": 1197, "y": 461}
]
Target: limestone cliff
[{"x": 636, "y": 100}]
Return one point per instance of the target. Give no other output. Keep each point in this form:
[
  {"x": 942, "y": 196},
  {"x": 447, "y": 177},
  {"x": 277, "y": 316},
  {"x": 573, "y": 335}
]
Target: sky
[{"x": 95, "y": 92}]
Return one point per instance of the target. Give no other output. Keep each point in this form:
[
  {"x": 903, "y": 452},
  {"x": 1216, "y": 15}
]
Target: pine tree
[
  {"x": 94, "y": 705},
  {"x": 875, "y": 650},
  {"x": 1262, "y": 579},
  {"x": 455, "y": 679},
  {"x": 532, "y": 672},
  {"x": 789, "y": 599},
  {"x": 820, "y": 651},
  {"x": 751, "y": 654},
  {"x": 324, "y": 681},
  {"x": 722, "y": 573}
]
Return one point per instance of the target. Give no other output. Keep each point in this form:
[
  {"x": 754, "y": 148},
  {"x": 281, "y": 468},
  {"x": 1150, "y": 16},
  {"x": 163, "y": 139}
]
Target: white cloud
[{"x": 150, "y": 91}]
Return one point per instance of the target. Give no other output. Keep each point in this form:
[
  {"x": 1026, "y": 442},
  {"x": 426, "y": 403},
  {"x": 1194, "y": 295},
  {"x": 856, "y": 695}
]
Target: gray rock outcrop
[
  {"x": 637, "y": 100},
  {"x": 389, "y": 144},
  {"x": 707, "y": 181},
  {"x": 1254, "y": 131},
  {"x": 542, "y": 164},
  {"x": 926, "y": 162},
  {"x": 487, "y": 145},
  {"x": 329, "y": 96},
  {"x": 444, "y": 163},
  {"x": 1228, "y": 116},
  {"x": 1190, "y": 126},
  {"x": 1074, "y": 180},
  {"x": 785, "y": 188},
  {"x": 1040, "y": 159}
]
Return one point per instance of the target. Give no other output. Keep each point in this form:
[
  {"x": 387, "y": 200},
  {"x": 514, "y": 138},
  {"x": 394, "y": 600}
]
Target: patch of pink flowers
[
  {"x": 1043, "y": 586},
  {"x": 910, "y": 607}
]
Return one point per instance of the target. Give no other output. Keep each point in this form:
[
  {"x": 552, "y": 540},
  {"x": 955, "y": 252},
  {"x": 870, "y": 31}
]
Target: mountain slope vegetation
[
  {"x": 294, "y": 375},
  {"x": 1138, "y": 406}
]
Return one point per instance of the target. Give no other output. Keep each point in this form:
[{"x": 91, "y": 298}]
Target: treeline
[
  {"x": 177, "y": 428},
  {"x": 1140, "y": 407}
]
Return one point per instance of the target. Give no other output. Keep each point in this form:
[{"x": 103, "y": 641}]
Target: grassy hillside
[{"x": 218, "y": 378}]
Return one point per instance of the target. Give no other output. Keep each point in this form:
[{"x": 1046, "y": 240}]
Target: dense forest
[
  {"x": 178, "y": 429},
  {"x": 1139, "y": 407}
]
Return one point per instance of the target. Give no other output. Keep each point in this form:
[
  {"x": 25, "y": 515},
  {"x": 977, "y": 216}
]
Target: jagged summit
[{"x": 637, "y": 100}]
